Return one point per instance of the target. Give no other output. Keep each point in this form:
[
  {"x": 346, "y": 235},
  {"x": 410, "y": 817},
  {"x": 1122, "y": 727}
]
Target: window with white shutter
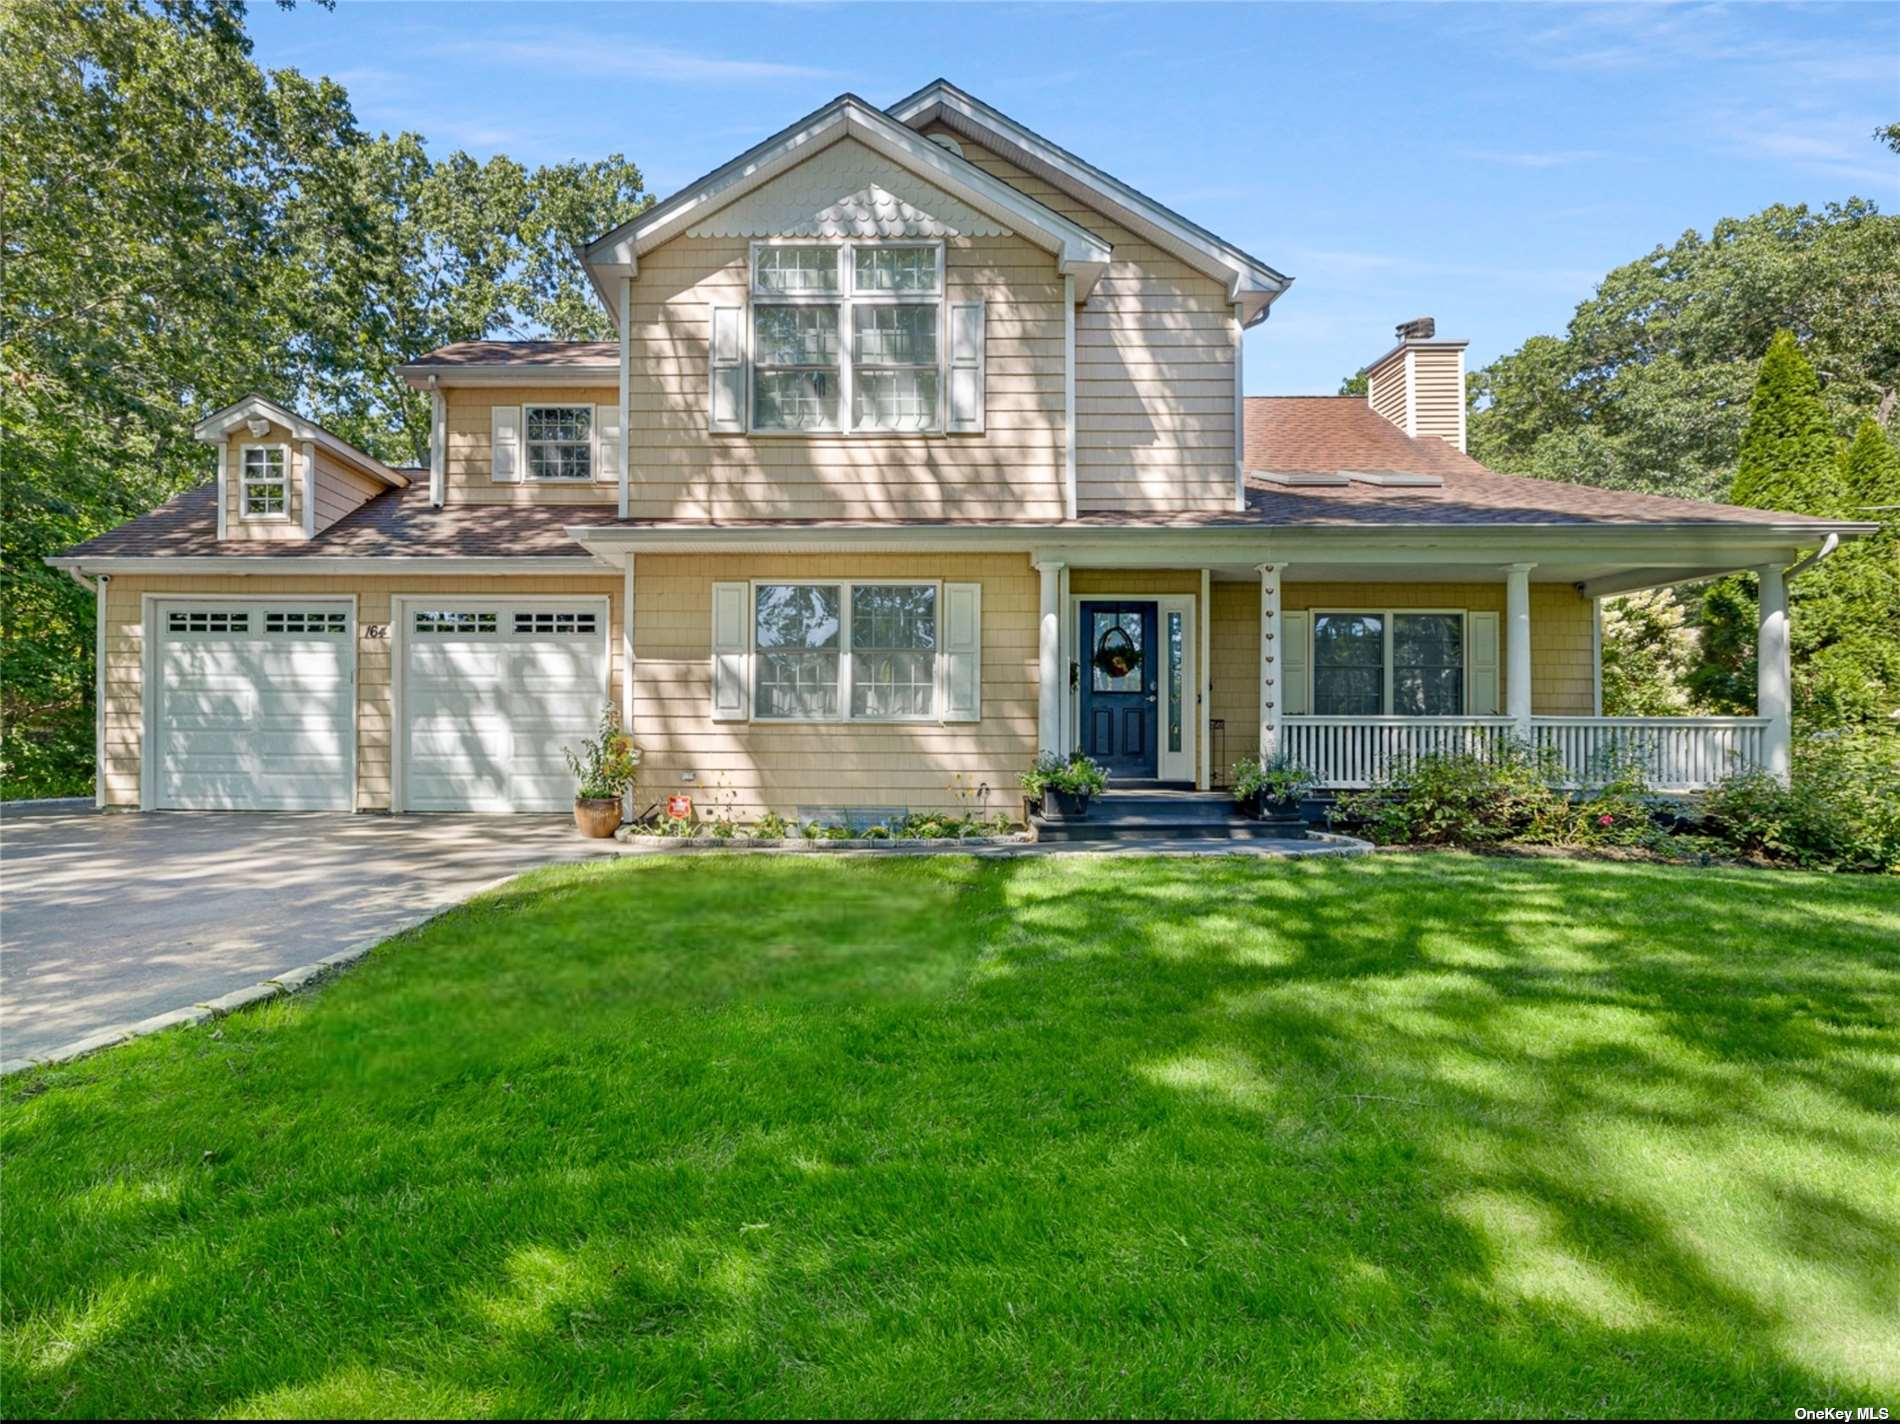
[
  {"x": 607, "y": 440},
  {"x": 1296, "y": 640},
  {"x": 961, "y": 666},
  {"x": 731, "y": 649},
  {"x": 966, "y": 368},
  {"x": 1481, "y": 662},
  {"x": 504, "y": 443}
]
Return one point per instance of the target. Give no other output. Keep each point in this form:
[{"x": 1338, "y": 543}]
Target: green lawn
[{"x": 939, "y": 1136}]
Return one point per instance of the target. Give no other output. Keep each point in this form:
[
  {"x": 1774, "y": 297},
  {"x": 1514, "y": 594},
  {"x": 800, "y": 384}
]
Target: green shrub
[
  {"x": 1509, "y": 795},
  {"x": 1841, "y": 810},
  {"x": 1078, "y": 774}
]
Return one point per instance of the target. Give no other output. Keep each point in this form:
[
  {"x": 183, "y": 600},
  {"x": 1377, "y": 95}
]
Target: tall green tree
[
  {"x": 179, "y": 227},
  {"x": 1790, "y": 456}
]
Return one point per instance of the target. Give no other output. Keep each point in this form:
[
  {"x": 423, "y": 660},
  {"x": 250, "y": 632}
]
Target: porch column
[
  {"x": 1774, "y": 698},
  {"x": 1049, "y": 661},
  {"x": 1517, "y": 637},
  {"x": 1270, "y": 647}
]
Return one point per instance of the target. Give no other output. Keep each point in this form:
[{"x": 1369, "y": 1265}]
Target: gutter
[{"x": 1832, "y": 543}]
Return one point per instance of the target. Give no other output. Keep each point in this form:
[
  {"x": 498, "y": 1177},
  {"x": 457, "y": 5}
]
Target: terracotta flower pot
[{"x": 597, "y": 817}]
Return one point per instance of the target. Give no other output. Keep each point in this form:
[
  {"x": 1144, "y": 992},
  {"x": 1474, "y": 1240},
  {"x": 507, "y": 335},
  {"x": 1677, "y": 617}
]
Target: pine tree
[
  {"x": 1789, "y": 457},
  {"x": 1870, "y": 476}
]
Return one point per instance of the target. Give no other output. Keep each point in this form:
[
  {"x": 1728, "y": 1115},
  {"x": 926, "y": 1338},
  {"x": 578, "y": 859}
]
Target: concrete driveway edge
[{"x": 291, "y": 981}]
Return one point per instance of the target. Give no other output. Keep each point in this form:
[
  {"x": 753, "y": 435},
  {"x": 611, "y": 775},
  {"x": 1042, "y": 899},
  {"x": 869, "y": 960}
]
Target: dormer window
[
  {"x": 847, "y": 337},
  {"x": 265, "y": 488},
  {"x": 560, "y": 441}
]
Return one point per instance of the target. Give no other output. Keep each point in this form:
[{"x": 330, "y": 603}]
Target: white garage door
[
  {"x": 254, "y": 707},
  {"x": 491, "y": 693}
]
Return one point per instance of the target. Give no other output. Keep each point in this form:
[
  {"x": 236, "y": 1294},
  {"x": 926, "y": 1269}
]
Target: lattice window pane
[
  {"x": 803, "y": 268},
  {"x": 201, "y": 620},
  {"x": 895, "y": 269},
  {"x": 301, "y": 621},
  {"x": 455, "y": 620}
]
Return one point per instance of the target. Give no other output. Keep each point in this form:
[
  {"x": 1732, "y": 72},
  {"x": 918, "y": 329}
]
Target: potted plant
[
  {"x": 1273, "y": 788},
  {"x": 1064, "y": 788},
  {"x": 604, "y": 767}
]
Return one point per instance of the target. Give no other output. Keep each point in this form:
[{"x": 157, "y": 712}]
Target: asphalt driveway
[{"x": 109, "y": 919}]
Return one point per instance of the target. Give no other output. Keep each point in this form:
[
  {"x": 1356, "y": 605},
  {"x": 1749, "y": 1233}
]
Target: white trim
[
  {"x": 844, "y": 587},
  {"x": 1182, "y": 767},
  {"x": 513, "y": 373},
  {"x": 844, "y": 300},
  {"x": 438, "y": 444},
  {"x": 291, "y": 565},
  {"x": 1246, "y": 277},
  {"x": 224, "y": 487},
  {"x": 1517, "y": 647},
  {"x": 1596, "y": 657},
  {"x": 1272, "y": 700},
  {"x": 526, "y": 474},
  {"x": 307, "y": 454},
  {"x": 220, "y": 423},
  {"x": 626, "y": 404},
  {"x": 1240, "y": 410},
  {"x": 1315, "y": 612},
  {"x": 244, "y": 481},
  {"x": 1204, "y": 687},
  {"x": 1076, "y": 249},
  {"x": 149, "y": 604},
  {"x": 627, "y": 687},
  {"x": 1068, "y": 398},
  {"x": 399, "y": 621},
  {"x": 1049, "y": 682},
  {"x": 1411, "y": 392},
  {"x": 99, "y": 690}
]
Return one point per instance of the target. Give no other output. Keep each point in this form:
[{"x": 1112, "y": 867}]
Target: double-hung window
[
  {"x": 1389, "y": 663},
  {"x": 847, "y": 337},
  {"x": 559, "y": 441},
  {"x": 845, "y": 651},
  {"x": 266, "y": 489}
]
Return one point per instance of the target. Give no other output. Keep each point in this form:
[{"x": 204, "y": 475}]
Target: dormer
[{"x": 282, "y": 478}]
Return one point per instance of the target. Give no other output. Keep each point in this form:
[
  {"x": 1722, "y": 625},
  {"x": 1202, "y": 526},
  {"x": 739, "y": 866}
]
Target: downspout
[{"x": 438, "y": 443}]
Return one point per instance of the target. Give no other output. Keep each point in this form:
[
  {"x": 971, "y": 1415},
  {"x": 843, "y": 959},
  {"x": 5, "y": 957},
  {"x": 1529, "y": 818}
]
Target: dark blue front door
[{"x": 1121, "y": 678}]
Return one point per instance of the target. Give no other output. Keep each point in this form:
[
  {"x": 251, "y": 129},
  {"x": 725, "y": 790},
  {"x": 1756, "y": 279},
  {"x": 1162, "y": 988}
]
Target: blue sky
[{"x": 1481, "y": 164}]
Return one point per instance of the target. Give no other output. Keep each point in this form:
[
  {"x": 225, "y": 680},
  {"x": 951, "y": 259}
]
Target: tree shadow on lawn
[{"x": 1430, "y": 1135}]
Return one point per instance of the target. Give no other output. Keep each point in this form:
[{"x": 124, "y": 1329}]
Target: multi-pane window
[
  {"x": 560, "y": 442},
  {"x": 1428, "y": 664},
  {"x": 265, "y": 488},
  {"x": 824, "y": 652},
  {"x": 798, "y": 631},
  {"x": 856, "y": 317},
  {"x": 1388, "y": 663},
  {"x": 893, "y": 650}
]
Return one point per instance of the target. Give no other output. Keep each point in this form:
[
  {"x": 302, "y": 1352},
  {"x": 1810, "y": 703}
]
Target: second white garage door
[{"x": 491, "y": 692}]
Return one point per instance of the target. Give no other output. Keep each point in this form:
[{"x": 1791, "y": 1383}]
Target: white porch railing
[
  {"x": 1680, "y": 753},
  {"x": 1348, "y": 753}
]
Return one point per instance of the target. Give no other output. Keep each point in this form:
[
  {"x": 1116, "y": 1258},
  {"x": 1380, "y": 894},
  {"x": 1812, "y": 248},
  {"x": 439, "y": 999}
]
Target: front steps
[{"x": 1157, "y": 815}]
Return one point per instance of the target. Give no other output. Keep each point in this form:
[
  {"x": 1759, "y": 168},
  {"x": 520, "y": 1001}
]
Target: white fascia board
[
  {"x": 1078, "y": 251},
  {"x": 330, "y": 566},
  {"x": 215, "y": 427},
  {"x": 1250, "y": 282}
]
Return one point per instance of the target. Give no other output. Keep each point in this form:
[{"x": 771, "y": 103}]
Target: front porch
[{"x": 1355, "y": 671}]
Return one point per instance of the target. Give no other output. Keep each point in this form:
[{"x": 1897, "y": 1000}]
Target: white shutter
[
  {"x": 731, "y": 673},
  {"x": 960, "y": 665},
  {"x": 607, "y": 442},
  {"x": 1481, "y": 664},
  {"x": 504, "y": 442},
  {"x": 725, "y": 404},
  {"x": 1296, "y": 637},
  {"x": 966, "y": 369}
]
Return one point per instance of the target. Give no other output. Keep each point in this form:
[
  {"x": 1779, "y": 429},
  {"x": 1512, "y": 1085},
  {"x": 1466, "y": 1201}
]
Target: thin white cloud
[
  {"x": 605, "y": 56},
  {"x": 1533, "y": 158}
]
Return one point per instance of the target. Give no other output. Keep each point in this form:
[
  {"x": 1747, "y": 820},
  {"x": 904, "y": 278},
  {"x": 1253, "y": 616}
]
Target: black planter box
[
  {"x": 1065, "y": 805},
  {"x": 1261, "y": 809}
]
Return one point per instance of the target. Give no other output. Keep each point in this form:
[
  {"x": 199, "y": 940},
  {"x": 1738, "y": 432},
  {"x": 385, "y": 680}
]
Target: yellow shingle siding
[
  {"x": 681, "y": 470},
  {"x": 125, "y": 636},
  {"x": 1154, "y": 379},
  {"x": 1562, "y": 642},
  {"x": 272, "y": 529},
  {"x": 755, "y": 766},
  {"x": 469, "y": 462}
]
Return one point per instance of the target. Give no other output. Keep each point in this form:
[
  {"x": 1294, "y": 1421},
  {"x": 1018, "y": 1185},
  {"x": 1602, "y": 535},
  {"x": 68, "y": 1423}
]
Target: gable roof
[
  {"x": 1250, "y": 282},
  {"x": 220, "y": 423},
  {"x": 1078, "y": 252},
  {"x": 470, "y": 362},
  {"x": 1324, "y": 435}
]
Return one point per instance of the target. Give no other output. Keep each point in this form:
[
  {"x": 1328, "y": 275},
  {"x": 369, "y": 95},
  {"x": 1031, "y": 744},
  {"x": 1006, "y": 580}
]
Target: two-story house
[{"x": 922, "y": 447}]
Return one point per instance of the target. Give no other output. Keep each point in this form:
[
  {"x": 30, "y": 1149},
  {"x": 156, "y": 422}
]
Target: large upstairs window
[{"x": 847, "y": 337}]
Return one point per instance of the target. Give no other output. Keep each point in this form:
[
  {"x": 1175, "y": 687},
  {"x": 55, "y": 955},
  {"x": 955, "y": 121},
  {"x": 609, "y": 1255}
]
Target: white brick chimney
[{"x": 1419, "y": 385}]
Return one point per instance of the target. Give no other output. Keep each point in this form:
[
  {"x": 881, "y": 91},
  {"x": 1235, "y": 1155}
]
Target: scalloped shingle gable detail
[{"x": 848, "y": 191}]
